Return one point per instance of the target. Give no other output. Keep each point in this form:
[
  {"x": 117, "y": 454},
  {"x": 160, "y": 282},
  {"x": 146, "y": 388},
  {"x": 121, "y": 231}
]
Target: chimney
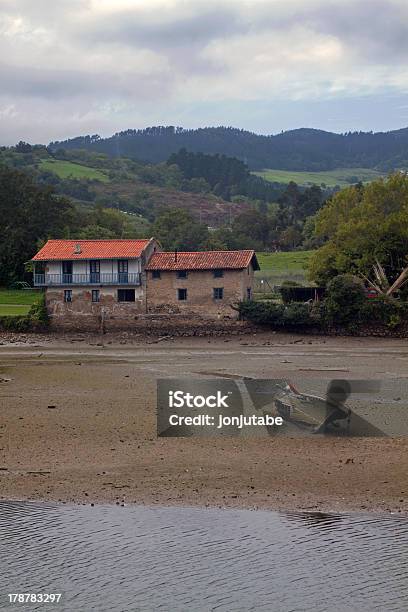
[
  {"x": 77, "y": 250},
  {"x": 175, "y": 255}
]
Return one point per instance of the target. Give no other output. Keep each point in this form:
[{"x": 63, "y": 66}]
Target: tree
[
  {"x": 345, "y": 299},
  {"x": 363, "y": 224},
  {"x": 252, "y": 226},
  {"x": 28, "y": 214},
  {"x": 176, "y": 229},
  {"x": 290, "y": 238}
]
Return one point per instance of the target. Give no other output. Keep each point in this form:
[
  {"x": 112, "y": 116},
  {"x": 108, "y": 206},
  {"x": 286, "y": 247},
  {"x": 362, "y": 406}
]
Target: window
[
  {"x": 126, "y": 295},
  {"x": 67, "y": 272},
  {"x": 95, "y": 295},
  {"x": 123, "y": 265},
  {"x": 218, "y": 293},
  {"x": 182, "y": 294},
  {"x": 181, "y": 273},
  {"x": 249, "y": 293},
  {"x": 218, "y": 273},
  {"x": 156, "y": 274},
  {"x": 123, "y": 276},
  {"x": 95, "y": 271},
  {"x": 68, "y": 295}
]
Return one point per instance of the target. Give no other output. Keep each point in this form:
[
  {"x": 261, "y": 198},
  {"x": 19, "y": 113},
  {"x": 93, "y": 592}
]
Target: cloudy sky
[{"x": 71, "y": 67}]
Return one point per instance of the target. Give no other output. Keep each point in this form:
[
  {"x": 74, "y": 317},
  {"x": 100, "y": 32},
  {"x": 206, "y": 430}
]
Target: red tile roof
[
  {"x": 205, "y": 260},
  {"x": 91, "y": 249}
]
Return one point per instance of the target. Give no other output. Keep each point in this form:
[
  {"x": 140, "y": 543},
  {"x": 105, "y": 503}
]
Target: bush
[
  {"x": 345, "y": 300},
  {"x": 277, "y": 315},
  {"x": 37, "y": 318},
  {"x": 297, "y": 314},
  {"x": 38, "y": 313},
  {"x": 261, "y": 313},
  {"x": 15, "y": 324},
  {"x": 385, "y": 310}
]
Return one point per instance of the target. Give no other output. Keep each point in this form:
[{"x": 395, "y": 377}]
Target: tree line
[{"x": 301, "y": 149}]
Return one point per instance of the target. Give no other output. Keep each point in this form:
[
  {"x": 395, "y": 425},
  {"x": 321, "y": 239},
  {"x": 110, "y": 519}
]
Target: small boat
[
  {"x": 313, "y": 413},
  {"x": 329, "y": 415}
]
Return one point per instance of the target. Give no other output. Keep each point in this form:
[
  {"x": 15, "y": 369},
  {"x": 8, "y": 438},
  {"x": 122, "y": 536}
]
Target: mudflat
[{"x": 78, "y": 424}]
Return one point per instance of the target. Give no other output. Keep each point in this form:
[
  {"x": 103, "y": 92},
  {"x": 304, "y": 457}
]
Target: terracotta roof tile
[
  {"x": 204, "y": 260},
  {"x": 91, "y": 249}
]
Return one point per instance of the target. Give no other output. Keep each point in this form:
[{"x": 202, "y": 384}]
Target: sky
[{"x": 75, "y": 67}]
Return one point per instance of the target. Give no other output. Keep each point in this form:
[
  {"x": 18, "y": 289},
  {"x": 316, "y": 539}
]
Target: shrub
[
  {"x": 278, "y": 315},
  {"x": 262, "y": 313},
  {"x": 15, "y": 324},
  {"x": 297, "y": 314},
  {"x": 38, "y": 312},
  {"x": 345, "y": 300},
  {"x": 385, "y": 310},
  {"x": 36, "y": 318}
]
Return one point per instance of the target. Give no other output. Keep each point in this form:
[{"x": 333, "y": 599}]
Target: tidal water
[{"x": 108, "y": 558}]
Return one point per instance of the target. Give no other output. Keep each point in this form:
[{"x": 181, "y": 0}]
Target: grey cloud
[
  {"x": 374, "y": 30},
  {"x": 179, "y": 36},
  {"x": 176, "y": 28},
  {"x": 59, "y": 84},
  {"x": 377, "y": 30},
  {"x": 43, "y": 11}
]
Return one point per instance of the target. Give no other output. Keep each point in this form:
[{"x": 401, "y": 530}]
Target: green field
[
  {"x": 15, "y": 302},
  {"x": 342, "y": 176},
  {"x": 12, "y": 310},
  {"x": 277, "y": 268},
  {"x": 66, "y": 169}
]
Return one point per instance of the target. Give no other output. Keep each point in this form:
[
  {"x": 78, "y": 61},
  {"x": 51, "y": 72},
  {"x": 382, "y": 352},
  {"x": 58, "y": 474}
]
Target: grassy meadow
[
  {"x": 277, "y": 268},
  {"x": 17, "y": 302},
  {"x": 342, "y": 177},
  {"x": 67, "y": 169}
]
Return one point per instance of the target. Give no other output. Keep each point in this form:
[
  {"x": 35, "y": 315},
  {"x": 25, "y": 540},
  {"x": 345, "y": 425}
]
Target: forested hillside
[
  {"x": 194, "y": 201},
  {"x": 302, "y": 149}
]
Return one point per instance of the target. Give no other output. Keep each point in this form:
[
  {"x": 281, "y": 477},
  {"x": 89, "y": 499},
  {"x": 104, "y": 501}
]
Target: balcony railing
[{"x": 121, "y": 278}]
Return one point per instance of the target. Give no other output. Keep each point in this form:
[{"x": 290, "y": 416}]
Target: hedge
[
  {"x": 383, "y": 311},
  {"x": 296, "y": 314},
  {"x": 36, "y": 319}
]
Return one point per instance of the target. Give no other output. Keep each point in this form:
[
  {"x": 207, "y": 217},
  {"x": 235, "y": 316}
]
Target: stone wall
[
  {"x": 183, "y": 324},
  {"x": 162, "y": 293},
  {"x": 109, "y": 315},
  {"x": 83, "y": 314}
]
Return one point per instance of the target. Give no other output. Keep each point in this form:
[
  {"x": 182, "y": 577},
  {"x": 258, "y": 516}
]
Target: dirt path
[{"x": 77, "y": 423}]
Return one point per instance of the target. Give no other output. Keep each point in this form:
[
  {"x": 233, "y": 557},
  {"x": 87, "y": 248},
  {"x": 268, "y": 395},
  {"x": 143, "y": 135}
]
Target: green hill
[
  {"x": 67, "y": 169},
  {"x": 302, "y": 149},
  {"x": 342, "y": 177}
]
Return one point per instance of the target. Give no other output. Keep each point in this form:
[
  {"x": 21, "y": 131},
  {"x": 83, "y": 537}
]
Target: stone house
[
  {"x": 88, "y": 281},
  {"x": 95, "y": 284},
  {"x": 205, "y": 283}
]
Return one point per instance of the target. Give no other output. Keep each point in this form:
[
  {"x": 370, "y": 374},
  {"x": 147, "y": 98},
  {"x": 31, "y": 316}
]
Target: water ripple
[{"x": 180, "y": 559}]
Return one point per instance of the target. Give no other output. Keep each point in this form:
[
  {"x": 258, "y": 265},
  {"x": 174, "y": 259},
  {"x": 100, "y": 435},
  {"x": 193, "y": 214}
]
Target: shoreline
[
  {"x": 281, "y": 511},
  {"x": 84, "y": 415}
]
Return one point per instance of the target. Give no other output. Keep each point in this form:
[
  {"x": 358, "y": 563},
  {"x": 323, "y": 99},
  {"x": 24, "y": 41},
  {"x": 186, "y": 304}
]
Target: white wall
[{"x": 107, "y": 266}]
